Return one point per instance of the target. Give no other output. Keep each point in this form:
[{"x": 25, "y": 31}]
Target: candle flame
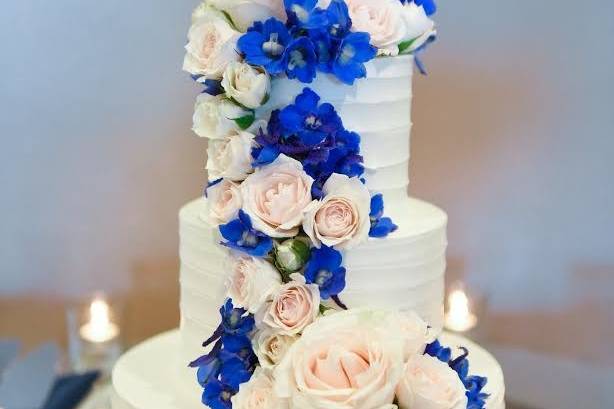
[
  {"x": 99, "y": 328},
  {"x": 459, "y": 317}
]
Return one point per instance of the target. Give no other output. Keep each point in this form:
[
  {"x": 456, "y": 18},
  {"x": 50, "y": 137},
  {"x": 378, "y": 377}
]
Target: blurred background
[{"x": 513, "y": 137}]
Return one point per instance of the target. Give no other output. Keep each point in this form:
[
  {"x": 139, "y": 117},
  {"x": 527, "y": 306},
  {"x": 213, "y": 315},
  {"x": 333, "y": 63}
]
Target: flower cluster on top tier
[{"x": 299, "y": 37}]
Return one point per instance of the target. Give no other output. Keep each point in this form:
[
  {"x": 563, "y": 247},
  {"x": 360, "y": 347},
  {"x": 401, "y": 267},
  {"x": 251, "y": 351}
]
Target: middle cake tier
[{"x": 404, "y": 271}]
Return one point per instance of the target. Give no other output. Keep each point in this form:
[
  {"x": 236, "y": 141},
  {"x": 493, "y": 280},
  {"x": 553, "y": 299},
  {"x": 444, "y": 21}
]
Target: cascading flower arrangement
[{"x": 287, "y": 193}]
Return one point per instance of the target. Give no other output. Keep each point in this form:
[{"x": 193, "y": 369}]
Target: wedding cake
[{"x": 309, "y": 278}]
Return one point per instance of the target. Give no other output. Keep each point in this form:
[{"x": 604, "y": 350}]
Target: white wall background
[{"x": 513, "y": 136}]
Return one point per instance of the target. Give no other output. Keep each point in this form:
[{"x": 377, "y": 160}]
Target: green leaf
[
  {"x": 245, "y": 122},
  {"x": 324, "y": 308},
  {"x": 403, "y": 46},
  {"x": 232, "y": 23}
]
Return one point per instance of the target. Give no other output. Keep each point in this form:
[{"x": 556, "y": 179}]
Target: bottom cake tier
[{"x": 153, "y": 376}]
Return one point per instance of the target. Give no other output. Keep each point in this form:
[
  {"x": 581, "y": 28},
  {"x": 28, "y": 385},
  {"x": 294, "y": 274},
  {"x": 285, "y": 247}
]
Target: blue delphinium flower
[
  {"x": 265, "y": 44},
  {"x": 435, "y": 349},
  {"x": 307, "y": 120},
  {"x": 380, "y": 226},
  {"x": 354, "y": 50},
  {"x": 473, "y": 384},
  {"x": 300, "y": 60},
  {"x": 240, "y": 235},
  {"x": 339, "y": 21},
  {"x": 324, "y": 269},
  {"x": 231, "y": 361},
  {"x": 235, "y": 370},
  {"x": 236, "y": 321},
  {"x": 217, "y": 395},
  {"x": 304, "y": 14},
  {"x": 476, "y": 399}
]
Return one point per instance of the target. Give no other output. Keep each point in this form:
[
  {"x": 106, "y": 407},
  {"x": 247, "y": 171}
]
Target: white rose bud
[
  {"x": 231, "y": 157},
  {"x": 252, "y": 281},
  {"x": 246, "y": 85},
  {"x": 418, "y": 26},
  {"x": 270, "y": 347},
  {"x": 214, "y": 116},
  {"x": 428, "y": 383},
  {"x": 211, "y": 44},
  {"x": 291, "y": 255},
  {"x": 245, "y": 12},
  {"x": 257, "y": 393},
  {"x": 382, "y": 20}
]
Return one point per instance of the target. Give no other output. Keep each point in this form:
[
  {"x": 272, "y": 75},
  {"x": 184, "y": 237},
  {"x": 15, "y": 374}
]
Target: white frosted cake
[{"x": 291, "y": 240}]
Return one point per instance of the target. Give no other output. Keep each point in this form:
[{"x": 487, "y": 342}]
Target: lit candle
[
  {"x": 459, "y": 317},
  {"x": 99, "y": 329}
]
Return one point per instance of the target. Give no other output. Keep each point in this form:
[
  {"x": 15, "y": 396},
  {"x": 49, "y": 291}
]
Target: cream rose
[
  {"x": 418, "y": 26},
  {"x": 257, "y": 393},
  {"x": 341, "y": 218},
  {"x": 382, "y": 20},
  {"x": 270, "y": 347},
  {"x": 211, "y": 44},
  {"x": 428, "y": 383},
  {"x": 214, "y": 116},
  {"x": 246, "y": 85},
  {"x": 252, "y": 281},
  {"x": 294, "y": 306},
  {"x": 347, "y": 360},
  {"x": 415, "y": 332},
  {"x": 223, "y": 202},
  {"x": 231, "y": 157},
  {"x": 275, "y": 197},
  {"x": 245, "y": 12}
]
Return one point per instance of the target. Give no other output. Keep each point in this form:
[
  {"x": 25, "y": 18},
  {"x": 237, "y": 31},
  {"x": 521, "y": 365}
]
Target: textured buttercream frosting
[{"x": 404, "y": 271}]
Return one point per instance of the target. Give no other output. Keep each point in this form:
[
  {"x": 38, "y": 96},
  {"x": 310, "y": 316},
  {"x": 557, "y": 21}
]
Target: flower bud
[{"x": 291, "y": 255}]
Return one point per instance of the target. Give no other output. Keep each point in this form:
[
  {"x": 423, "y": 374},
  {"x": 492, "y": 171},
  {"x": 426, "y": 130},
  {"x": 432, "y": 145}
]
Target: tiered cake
[{"x": 305, "y": 256}]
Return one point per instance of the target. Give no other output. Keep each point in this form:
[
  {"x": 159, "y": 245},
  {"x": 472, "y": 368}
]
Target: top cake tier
[{"x": 378, "y": 108}]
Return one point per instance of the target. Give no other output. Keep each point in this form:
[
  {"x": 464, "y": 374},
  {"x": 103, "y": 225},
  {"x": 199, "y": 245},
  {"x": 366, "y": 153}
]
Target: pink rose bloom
[
  {"x": 275, "y": 197},
  {"x": 428, "y": 383},
  {"x": 347, "y": 360},
  {"x": 294, "y": 307},
  {"x": 341, "y": 218},
  {"x": 224, "y": 201}
]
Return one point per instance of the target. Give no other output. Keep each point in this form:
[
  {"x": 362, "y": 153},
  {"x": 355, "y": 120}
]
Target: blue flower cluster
[
  {"x": 313, "y": 134},
  {"x": 230, "y": 362},
  {"x": 476, "y": 399},
  {"x": 312, "y": 39}
]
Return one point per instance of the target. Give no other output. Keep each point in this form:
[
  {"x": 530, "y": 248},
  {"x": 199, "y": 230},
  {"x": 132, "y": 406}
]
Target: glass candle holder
[{"x": 94, "y": 335}]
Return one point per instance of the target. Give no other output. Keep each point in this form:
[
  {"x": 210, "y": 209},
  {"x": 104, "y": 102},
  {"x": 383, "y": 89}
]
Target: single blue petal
[
  {"x": 377, "y": 206},
  {"x": 232, "y": 231}
]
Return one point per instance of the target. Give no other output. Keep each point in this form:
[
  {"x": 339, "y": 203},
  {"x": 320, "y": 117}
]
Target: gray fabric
[{"x": 27, "y": 382}]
